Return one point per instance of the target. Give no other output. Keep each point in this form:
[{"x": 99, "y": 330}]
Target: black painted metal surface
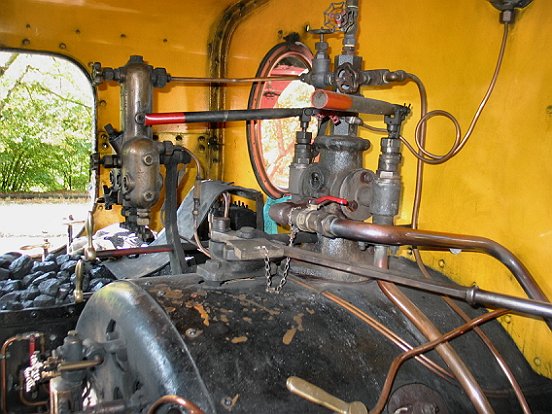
[{"x": 231, "y": 348}]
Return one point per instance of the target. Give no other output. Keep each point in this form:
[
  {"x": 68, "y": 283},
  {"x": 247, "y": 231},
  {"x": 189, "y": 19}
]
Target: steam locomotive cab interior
[{"x": 312, "y": 232}]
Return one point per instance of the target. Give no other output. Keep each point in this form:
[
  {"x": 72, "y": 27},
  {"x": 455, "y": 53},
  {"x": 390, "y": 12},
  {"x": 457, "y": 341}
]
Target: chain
[{"x": 287, "y": 265}]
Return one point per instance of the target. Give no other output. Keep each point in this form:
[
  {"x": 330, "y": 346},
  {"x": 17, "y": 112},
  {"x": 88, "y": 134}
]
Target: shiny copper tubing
[
  {"x": 445, "y": 350},
  {"x": 400, "y": 236},
  {"x": 332, "y": 226},
  {"x": 3, "y": 375},
  {"x": 398, "y": 361},
  {"x": 189, "y": 406}
]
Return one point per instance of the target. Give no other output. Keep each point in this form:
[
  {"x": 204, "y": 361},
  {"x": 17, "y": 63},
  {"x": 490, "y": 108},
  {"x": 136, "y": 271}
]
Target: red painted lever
[{"x": 330, "y": 199}]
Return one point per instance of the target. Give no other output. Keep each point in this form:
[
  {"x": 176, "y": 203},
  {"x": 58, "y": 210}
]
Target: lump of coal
[{"x": 21, "y": 266}]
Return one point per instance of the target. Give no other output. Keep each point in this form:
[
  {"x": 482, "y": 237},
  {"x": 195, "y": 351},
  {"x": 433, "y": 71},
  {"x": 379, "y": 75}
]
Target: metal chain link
[{"x": 287, "y": 265}]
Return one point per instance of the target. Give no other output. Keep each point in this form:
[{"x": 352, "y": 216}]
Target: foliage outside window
[{"x": 46, "y": 113}]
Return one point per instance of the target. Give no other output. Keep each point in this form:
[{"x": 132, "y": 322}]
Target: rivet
[
  {"x": 537, "y": 361},
  {"x": 102, "y": 103},
  {"x": 165, "y": 40},
  {"x": 507, "y": 319},
  {"x": 62, "y": 46},
  {"x": 441, "y": 263},
  {"x": 178, "y": 138},
  {"x": 77, "y": 31},
  {"x": 123, "y": 36},
  {"x": 549, "y": 109},
  {"x": 25, "y": 42},
  {"x": 27, "y": 26}
]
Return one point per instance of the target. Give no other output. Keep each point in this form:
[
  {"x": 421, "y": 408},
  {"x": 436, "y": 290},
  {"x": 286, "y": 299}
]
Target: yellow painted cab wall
[
  {"x": 500, "y": 185},
  {"x": 497, "y": 187}
]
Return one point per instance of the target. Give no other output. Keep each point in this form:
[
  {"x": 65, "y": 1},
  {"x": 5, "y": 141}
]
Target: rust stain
[
  {"x": 204, "y": 315},
  {"x": 239, "y": 339}
]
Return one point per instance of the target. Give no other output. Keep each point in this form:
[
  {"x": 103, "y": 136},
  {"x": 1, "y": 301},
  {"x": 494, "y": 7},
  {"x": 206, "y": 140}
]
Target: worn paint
[
  {"x": 239, "y": 339},
  {"x": 202, "y": 312},
  {"x": 298, "y": 327}
]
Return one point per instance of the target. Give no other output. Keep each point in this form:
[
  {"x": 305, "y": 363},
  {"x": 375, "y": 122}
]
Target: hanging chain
[{"x": 287, "y": 265}]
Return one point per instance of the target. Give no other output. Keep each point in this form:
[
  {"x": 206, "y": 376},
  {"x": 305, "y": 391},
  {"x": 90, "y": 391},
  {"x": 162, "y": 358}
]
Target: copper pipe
[
  {"x": 445, "y": 350},
  {"x": 5, "y": 347},
  {"x": 332, "y": 226},
  {"x": 378, "y": 326},
  {"x": 494, "y": 351},
  {"x": 24, "y": 400},
  {"x": 392, "y": 235},
  {"x": 3, "y": 375},
  {"x": 398, "y": 361},
  {"x": 189, "y": 406},
  {"x": 472, "y": 295}
]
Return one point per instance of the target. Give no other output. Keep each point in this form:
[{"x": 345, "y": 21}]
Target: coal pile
[{"x": 26, "y": 283}]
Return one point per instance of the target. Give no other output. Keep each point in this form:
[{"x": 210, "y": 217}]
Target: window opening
[
  {"x": 46, "y": 138},
  {"x": 271, "y": 142}
]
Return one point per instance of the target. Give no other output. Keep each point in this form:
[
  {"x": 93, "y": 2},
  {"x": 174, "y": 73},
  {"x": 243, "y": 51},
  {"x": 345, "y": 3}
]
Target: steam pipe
[
  {"x": 444, "y": 349},
  {"x": 332, "y": 226},
  {"x": 218, "y": 116}
]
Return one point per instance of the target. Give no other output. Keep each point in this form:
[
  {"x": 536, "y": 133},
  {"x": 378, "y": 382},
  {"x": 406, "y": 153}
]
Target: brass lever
[
  {"x": 312, "y": 393},
  {"x": 89, "y": 251},
  {"x": 78, "y": 293}
]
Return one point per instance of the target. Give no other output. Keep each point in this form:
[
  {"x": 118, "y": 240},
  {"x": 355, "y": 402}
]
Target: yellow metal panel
[{"x": 499, "y": 186}]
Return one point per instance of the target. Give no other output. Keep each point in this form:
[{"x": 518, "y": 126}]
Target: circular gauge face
[{"x": 271, "y": 142}]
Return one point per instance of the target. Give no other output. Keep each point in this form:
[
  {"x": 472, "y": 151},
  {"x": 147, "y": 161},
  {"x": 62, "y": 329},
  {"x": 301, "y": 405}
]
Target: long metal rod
[
  {"x": 333, "y": 101},
  {"x": 220, "y": 116},
  {"x": 472, "y": 295},
  {"x": 185, "y": 79},
  {"x": 332, "y": 226},
  {"x": 393, "y": 235}
]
